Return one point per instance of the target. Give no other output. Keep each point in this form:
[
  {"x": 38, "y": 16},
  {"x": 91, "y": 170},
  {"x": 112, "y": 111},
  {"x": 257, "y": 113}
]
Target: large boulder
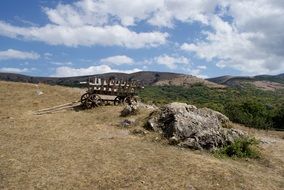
[{"x": 187, "y": 126}]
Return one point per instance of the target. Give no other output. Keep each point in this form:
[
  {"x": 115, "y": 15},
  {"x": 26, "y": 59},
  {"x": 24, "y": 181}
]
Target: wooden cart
[{"x": 101, "y": 91}]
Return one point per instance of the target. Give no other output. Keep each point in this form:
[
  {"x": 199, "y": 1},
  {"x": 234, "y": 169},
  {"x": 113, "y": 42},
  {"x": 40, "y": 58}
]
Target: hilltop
[
  {"x": 264, "y": 82},
  {"x": 145, "y": 77}
]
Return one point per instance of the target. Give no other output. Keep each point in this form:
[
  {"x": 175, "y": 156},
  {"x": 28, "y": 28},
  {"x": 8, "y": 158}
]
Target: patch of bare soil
[
  {"x": 267, "y": 85},
  {"x": 188, "y": 81},
  {"x": 85, "y": 149}
]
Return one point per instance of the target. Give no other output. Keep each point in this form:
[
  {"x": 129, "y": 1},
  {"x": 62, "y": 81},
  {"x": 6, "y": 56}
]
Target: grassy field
[{"x": 78, "y": 149}]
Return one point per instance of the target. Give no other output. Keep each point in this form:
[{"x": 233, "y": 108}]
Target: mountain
[
  {"x": 229, "y": 80},
  {"x": 145, "y": 77},
  {"x": 265, "y": 82},
  {"x": 276, "y": 78}
]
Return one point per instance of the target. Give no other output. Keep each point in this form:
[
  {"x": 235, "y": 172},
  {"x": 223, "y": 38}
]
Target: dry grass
[{"x": 86, "y": 150}]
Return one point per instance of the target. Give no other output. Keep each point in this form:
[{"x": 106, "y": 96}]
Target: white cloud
[
  {"x": 13, "y": 70},
  {"x": 61, "y": 63},
  {"x": 92, "y": 22},
  {"x": 246, "y": 35},
  {"x": 126, "y": 13},
  {"x": 16, "y": 54},
  {"x": 171, "y": 61},
  {"x": 184, "y": 11},
  {"x": 247, "y": 50},
  {"x": 202, "y": 67},
  {"x": 198, "y": 73},
  {"x": 117, "y": 60},
  {"x": 92, "y": 70},
  {"x": 48, "y": 55},
  {"x": 87, "y": 35},
  {"x": 104, "y": 11}
]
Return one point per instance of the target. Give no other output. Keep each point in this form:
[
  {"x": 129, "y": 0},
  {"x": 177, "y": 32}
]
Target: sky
[{"x": 205, "y": 38}]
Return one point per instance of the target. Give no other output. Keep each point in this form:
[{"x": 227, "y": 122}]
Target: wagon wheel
[
  {"x": 99, "y": 101},
  {"x": 84, "y": 97},
  {"x": 89, "y": 101},
  {"x": 118, "y": 100},
  {"x": 134, "y": 100}
]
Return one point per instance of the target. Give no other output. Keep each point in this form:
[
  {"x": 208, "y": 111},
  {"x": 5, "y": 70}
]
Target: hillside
[
  {"x": 145, "y": 77},
  {"x": 250, "y": 106},
  {"x": 264, "y": 82},
  {"x": 187, "y": 81},
  {"x": 86, "y": 149}
]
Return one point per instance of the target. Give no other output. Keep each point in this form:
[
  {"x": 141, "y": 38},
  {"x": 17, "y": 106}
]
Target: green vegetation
[
  {"x": 247, "y": 105},
  {"x": 277, "y": 78},
  {"x": 242, "y": 148}
]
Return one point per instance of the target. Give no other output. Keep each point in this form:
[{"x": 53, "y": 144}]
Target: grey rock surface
[
  {"x": 187, "y": 126},
  {"x": 129, "y": 110},
  {"x": 127, "y": 122}
]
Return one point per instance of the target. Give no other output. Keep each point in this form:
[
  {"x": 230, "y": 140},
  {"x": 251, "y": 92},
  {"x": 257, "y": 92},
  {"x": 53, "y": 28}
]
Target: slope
[{"x": 79, "y": 149}]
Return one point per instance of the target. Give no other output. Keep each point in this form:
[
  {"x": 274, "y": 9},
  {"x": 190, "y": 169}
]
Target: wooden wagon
[{"x": 101, "y": 91}]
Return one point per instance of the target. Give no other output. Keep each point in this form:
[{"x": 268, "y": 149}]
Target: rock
[
  {"x": 147, "y": 106},
  {"x": 38, "y": 92},
  {"x": 139, "y": 132},
  {"x": 129, "y": 110},
  {"x": 187, "y": 126},
  {"x": 127, "y": 122}
]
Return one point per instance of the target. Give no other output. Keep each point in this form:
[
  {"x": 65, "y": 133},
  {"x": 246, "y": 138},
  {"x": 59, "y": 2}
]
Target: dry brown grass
[{"x": 86, "y": 150}]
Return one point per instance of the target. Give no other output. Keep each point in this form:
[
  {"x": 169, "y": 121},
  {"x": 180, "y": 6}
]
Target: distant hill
[
  {"x": 188, "y": 81},
  {"x": 146, "y": 77},
  {"x": 228, "y": 80},
  {"x": 265, "y": 82},
  {"x": 276, "y": 78}
]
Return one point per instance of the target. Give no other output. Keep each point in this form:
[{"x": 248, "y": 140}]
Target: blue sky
[{"x": 205, "y": 38}]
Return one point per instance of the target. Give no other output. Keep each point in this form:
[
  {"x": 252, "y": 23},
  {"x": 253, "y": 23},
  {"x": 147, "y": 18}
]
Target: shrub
[
  {"x": 278, "y": 118},
  {"x": 248, "y": 105},
  {"x": 241, "y": 148},
  {"x": 250, "y": 113}
]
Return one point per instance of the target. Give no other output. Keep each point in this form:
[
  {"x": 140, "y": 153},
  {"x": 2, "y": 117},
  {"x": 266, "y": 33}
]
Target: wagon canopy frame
[{"x": 100, "y": 90}]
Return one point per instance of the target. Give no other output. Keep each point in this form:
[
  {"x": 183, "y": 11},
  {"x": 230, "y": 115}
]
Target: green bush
[
  {"x": 241, "y": 148},
  {"x": 248, "y": 105},
  {"x": 278, "y": 118},
  {"x": 250, "y": 113}
]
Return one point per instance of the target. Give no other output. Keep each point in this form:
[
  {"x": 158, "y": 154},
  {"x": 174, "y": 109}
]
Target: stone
[
  {"x": 139, "y": 132},
  {"x": 127, "y": 123},
  {"x": 129, "y": 110},
  {"x": 147, "y": 106},
  {"x": 187, "y": 126}
]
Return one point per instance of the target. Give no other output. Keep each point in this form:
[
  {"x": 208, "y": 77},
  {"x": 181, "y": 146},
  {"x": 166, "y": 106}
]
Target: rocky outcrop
[
  {"x": 151, "y": 107},
  {"x": 187, "y": 126}
]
